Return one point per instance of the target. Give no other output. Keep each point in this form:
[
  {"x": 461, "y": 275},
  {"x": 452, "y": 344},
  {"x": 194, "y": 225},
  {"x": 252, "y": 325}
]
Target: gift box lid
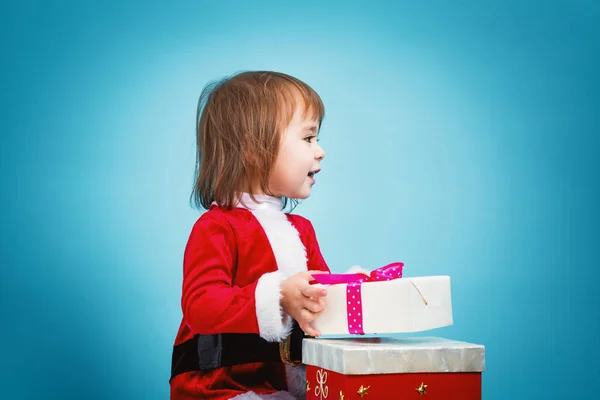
[{"x": 365, "y": 356}]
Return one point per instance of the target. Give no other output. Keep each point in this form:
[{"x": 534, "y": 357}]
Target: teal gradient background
[{"x": 462, "y": 138}]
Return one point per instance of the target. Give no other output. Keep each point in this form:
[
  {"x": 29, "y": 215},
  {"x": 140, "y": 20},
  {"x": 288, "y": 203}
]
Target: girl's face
[{"x": 298, "y": 159}]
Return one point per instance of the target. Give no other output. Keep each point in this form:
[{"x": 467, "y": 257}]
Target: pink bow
[
  {"x": 386, "y": 273},
  {"x": 353, "y": 292}
]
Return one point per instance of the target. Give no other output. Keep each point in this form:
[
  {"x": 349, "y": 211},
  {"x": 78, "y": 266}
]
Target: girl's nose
[{"x": 320, "y": 153}]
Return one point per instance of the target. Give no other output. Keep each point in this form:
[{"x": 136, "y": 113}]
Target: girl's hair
[{"x": 239, "y": 123}]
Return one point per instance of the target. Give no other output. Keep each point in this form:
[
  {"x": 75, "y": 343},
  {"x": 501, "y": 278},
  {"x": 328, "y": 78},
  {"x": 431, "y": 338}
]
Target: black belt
[{"x": 206, "y": 352}]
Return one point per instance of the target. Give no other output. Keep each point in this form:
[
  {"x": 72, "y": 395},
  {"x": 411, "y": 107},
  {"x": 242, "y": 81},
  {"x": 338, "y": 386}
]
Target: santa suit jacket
[{"x": 234, "y": 262}]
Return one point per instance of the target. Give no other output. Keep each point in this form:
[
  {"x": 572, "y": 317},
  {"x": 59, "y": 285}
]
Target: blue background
[{"x": 462, "y": 138}]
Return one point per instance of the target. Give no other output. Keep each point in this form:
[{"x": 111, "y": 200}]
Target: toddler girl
[{"x": 246, "y": 294}]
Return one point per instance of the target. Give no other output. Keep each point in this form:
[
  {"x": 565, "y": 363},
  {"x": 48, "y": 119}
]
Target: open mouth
[{"x": 313, "y": 173}]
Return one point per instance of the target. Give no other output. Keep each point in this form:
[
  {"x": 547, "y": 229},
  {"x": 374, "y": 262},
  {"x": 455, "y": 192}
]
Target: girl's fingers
[
  {"x": 310, "y": 331},
  {"x": 315, "y": 292},
  {"x": 304, "y": 322},
  {"x": 313, "y": 305},
  {"x": 306, "y": 315}
]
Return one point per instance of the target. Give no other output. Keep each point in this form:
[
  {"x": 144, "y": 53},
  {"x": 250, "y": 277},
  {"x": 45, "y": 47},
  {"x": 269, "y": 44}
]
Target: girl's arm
[{"x": 210, "y": 303}]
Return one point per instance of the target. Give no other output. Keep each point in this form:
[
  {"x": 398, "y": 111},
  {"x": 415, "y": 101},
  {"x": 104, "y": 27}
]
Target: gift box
[
  {"x": 392, "y": 368},
  {"x": 383, "y": 302}
]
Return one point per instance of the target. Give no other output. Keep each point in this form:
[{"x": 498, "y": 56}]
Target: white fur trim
[
  {"x": 287, "y": 247},
  {"x": 296, "y": 380},
  {"x": 273, "y": 326},
  {"x": 290, "y": 255}
]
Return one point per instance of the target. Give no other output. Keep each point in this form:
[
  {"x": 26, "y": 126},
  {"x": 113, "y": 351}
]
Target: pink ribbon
[{"x": 353, "y": 290}]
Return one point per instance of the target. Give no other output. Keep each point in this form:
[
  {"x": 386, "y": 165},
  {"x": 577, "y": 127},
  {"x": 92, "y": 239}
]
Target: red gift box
[{"x": 385, "y": 368}]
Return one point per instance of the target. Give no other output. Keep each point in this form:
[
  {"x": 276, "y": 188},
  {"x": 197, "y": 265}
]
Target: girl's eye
[{"x": 309, "y": 139}]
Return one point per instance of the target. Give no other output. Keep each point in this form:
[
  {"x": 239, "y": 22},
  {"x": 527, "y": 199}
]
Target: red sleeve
[{"x": 210, "y": 303}]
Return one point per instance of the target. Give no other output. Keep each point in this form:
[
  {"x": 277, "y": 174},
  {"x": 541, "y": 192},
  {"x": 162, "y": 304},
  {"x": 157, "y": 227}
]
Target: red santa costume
[{"x": 234, "y": 263}]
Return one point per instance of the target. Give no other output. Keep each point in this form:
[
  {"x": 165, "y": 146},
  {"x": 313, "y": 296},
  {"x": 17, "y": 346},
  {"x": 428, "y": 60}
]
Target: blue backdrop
[{"x": 462, "y": 138}]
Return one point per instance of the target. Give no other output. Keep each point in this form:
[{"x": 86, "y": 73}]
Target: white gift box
[{"x": 394, "y": 306}]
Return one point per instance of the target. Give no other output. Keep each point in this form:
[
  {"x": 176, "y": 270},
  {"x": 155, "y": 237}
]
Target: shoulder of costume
[
  {"x": 216, "y": 213},
  {"x": 220, "y": 217}
]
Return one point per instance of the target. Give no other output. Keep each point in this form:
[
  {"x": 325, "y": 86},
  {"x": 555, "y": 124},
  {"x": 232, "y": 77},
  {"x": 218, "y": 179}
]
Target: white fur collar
[
  {"x": 288, "y": 249},
  {"x": 260, "y": 202}
]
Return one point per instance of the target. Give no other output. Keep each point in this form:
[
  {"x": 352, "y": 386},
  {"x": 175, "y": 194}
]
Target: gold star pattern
[
  {"x": 422, "y": 389},
  {"x": 341, "y": 395},
  {"x": 307, "y": 386},
  {"x": 363, "y": 391}
]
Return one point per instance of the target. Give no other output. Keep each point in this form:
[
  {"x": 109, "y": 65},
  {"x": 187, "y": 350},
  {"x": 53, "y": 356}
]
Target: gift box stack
[{"x": 345, "y": 365}]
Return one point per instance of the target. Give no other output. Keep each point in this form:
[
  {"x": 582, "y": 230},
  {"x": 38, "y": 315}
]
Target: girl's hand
[{"x": 302, "y": 301}]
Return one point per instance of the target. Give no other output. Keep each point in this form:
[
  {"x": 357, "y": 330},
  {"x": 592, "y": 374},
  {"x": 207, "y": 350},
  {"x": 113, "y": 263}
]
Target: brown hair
[{"x": 239, "y": 123}]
